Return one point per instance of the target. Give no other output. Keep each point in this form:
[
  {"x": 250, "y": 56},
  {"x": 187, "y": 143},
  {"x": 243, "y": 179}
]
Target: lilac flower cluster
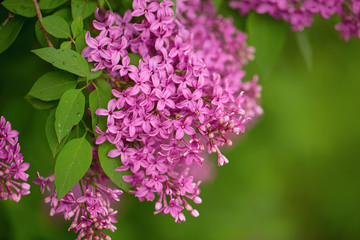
[
  {"x": 87, "y": 204},
  {"x": 170, "y": 107},
  {"x": 223, "y": 48},
  {"x": 12, "y": 166},
  {"x": 300, "y": 13}
]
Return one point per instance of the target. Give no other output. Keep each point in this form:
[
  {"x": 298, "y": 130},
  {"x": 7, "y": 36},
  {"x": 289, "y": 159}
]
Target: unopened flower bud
[
  {"x": 188, "y": 207},
  {"x": 194, "y": 213},
  {"x": 158, "y": 206},
  {"x": 197, "y": 200},
  {"x": 182, "y": 217}
]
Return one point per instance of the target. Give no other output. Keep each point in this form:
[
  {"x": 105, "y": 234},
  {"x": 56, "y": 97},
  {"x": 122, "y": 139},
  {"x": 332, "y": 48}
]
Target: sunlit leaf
[
  {"x": 69, "y": 112},
  {"x": 65, "y": 59},
  {"x": 52, "y": 85},
  {"x": 71, "y": 165}
]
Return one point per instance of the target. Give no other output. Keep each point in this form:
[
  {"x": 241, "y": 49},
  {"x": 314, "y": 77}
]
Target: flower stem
[{"x": 107, "y": 3}]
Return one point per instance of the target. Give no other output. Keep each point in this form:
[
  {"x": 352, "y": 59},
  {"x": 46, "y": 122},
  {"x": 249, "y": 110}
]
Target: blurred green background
[{"x": 294, "y": 176}]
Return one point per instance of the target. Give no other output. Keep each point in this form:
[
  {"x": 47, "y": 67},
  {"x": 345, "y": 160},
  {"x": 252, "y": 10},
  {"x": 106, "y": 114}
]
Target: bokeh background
[{"x": 293, "y": 176}]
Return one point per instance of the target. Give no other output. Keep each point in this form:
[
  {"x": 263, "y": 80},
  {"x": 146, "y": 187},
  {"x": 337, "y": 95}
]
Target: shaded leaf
[
  {"x": 10, "y": 31},
  {"x": 174, "y": 8},
  {"x": 21, "y": 7},
  {"x": 52, "y": 85},
  {"x": 65, "y": 59},
  {"x": 217, "y": 4},
  {"x": 268, "y": 37},
  {"x": 305, "y": 47},
  {"x": 109, "y": 164},
  {"x": 69, "y": 112},
  {"x": 82, "y": 8},
  {"x": 99, "y": 98},
  {"x": 56, "y": 26},
  {"x": 38, "y": 104},
  {"x": 71, "y": 165},
  {"x": 134, "y": 58}
]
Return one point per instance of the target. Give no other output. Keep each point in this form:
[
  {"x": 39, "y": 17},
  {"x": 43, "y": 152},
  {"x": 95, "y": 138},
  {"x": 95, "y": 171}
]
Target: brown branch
[
  {"x": 39, "y": 15},
  {"x": 10, "y": 16}
]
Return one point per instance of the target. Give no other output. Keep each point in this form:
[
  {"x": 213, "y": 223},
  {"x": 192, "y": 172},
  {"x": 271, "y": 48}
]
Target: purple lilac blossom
[
  {"x": 88, "y": 205},
  {"x": 170, "y": 107},
  {"x": 300, "y": 13},
  {"x": 12, "y": 167}
]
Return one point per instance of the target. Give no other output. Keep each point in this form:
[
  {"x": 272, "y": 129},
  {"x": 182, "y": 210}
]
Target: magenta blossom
[{"x": 12, "y": 167}]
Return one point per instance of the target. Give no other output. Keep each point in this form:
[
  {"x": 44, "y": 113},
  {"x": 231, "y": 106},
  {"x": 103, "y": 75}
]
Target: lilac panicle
[
  {"x": 12, "y": 167},
  {"x": 87, "y": 205},
  {"x": 300, "y": 13},
  {"x": 175, "y": 103}
]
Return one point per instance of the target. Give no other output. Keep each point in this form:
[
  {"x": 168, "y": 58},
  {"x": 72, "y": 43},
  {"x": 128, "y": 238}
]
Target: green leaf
[
  {"x": 40, "y": 36},
  {"x": 82, "y": 8},
  {"x": 10, "y": 31},
  {"x": 69, "y": 112},
  {"x": 21, "y": 7},
  {"x": 174, "y": 7},
  {"x": 228, "y": 12},
  {"x": 54, "y": 144},
  {"x": 94, "y": 75},
  {"x": 71, "y": 165},
  {"x": 65, "y": 13},
  {"x": 109, "y": 164},
  {"x": 65, "y": 45},
  {"x": 99, "y": 98},
  {"x": 80, "y": 42},
  {"x": 77, "y": 26},
  {"x": 217, "y": 4},
  {"x": 56, "y": 26},
  {"x": 305, "y": 47},
  {"x": 50, "y": 4},
  {"x": 65, "y": 59},
  {"x": 38, "y": 104},
  {"x": 268, "y": 37},
  {"x": 134, "y": 58},
  {"x": 52, "y": 85}
]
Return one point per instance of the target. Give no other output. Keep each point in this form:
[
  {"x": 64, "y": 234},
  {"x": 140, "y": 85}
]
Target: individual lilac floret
[
  {"x": 12, "y": 167},
  {"x": 300, "y": 13},
  {"x": 170, "y": 107},
  {"x": 87, "y": 205}
]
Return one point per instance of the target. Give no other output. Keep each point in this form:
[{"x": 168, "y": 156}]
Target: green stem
[
  {"x": 107, "y": 3},
  {"x": 86, "y": 127}
]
